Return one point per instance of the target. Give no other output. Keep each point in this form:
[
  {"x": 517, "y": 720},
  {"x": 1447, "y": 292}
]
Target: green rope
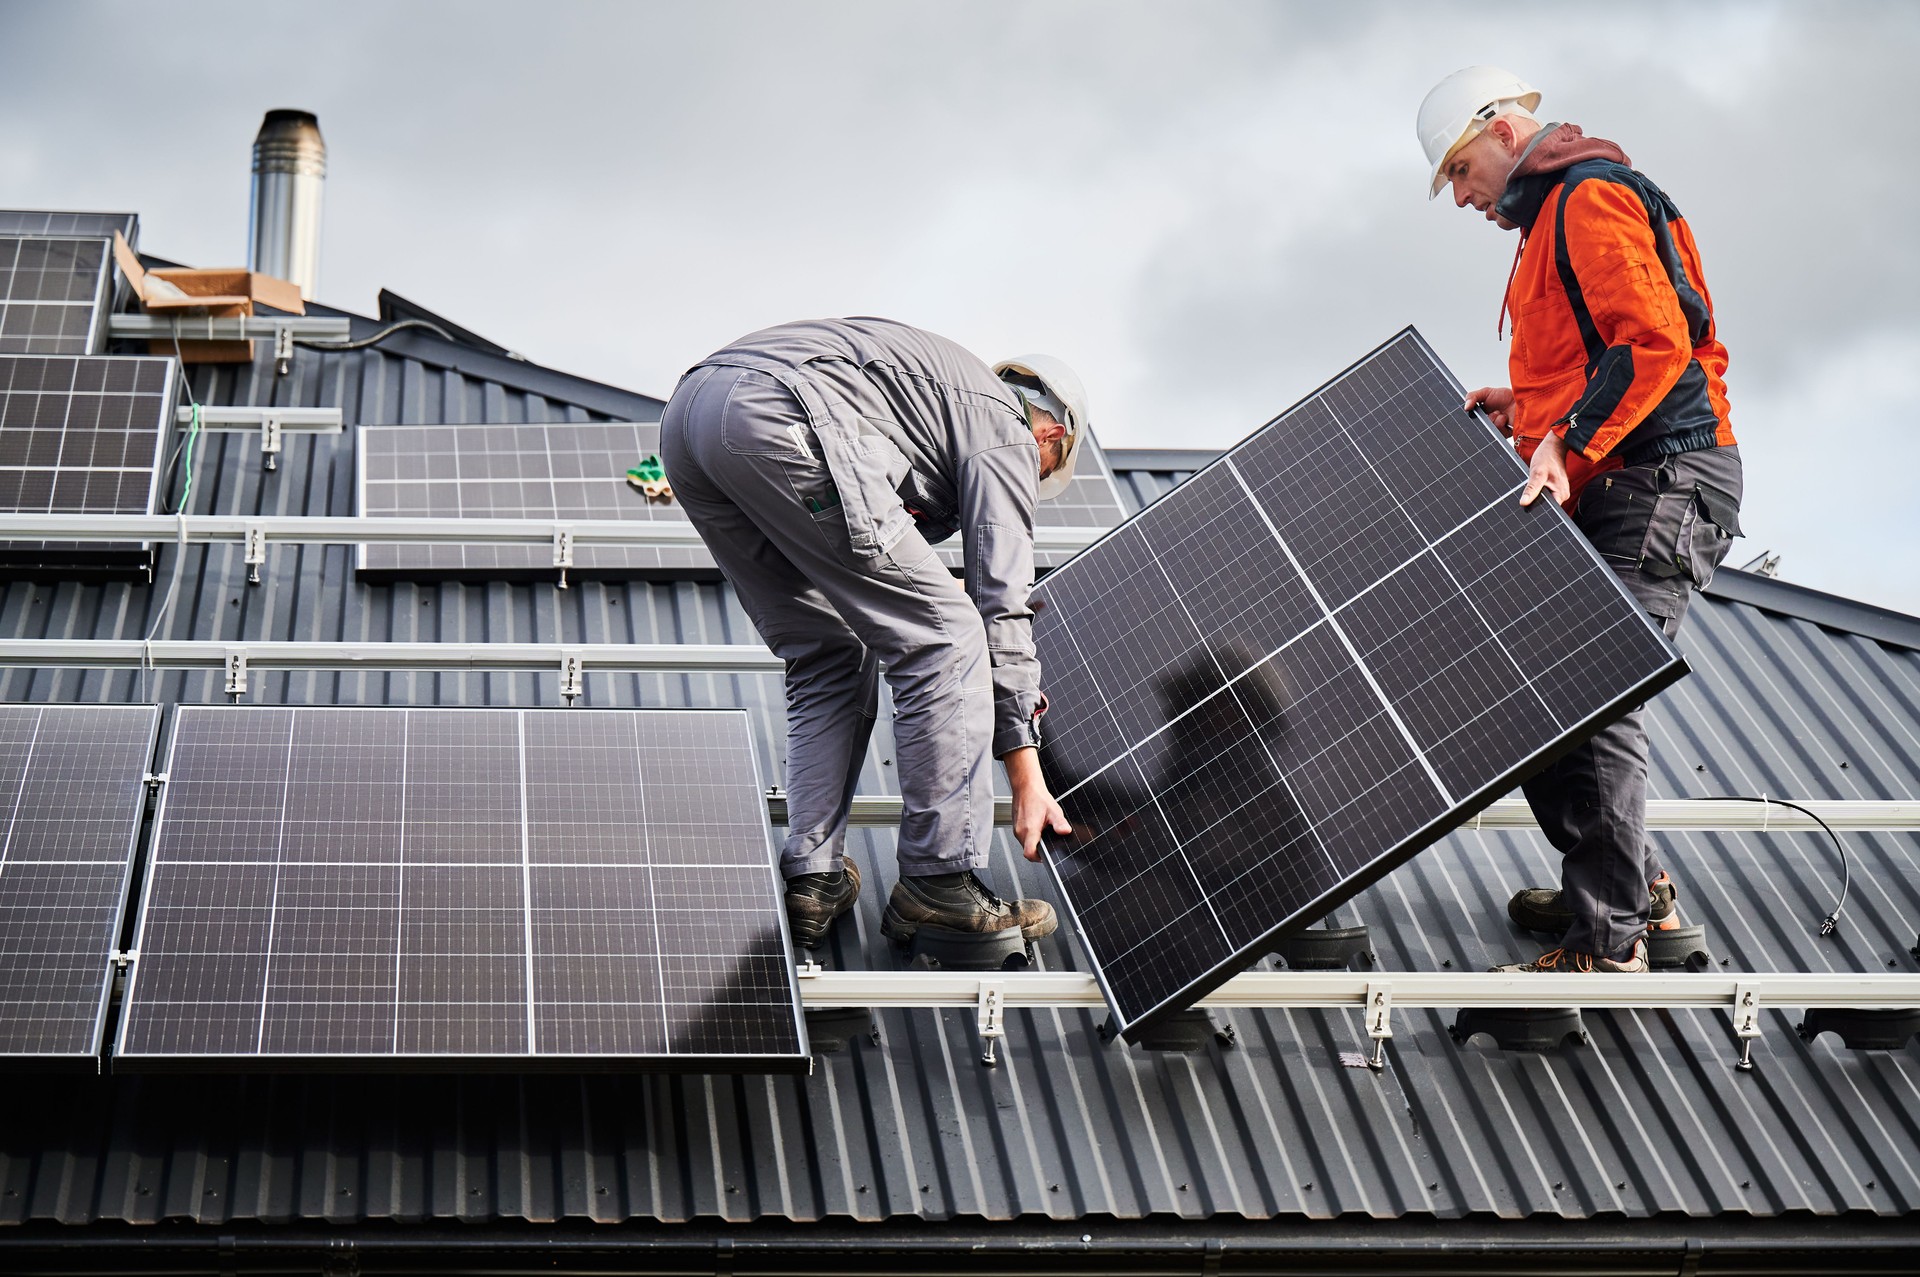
[{"x": 186, "y": 460}]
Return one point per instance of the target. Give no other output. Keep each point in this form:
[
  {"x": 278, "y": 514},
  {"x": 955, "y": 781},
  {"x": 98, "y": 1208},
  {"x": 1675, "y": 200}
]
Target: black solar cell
[
  {"x": 1307, "y": 663},
  {"x": 428, "y": 886}
]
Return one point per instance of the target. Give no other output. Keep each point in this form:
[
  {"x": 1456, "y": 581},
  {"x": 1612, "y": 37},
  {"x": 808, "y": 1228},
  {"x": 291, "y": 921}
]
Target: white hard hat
[
  {"x": 1062, "y": 396},
  {"x": 1461, "y": 105}
]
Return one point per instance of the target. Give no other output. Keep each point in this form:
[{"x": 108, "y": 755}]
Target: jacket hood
[{"x": 1550, "y": 152}]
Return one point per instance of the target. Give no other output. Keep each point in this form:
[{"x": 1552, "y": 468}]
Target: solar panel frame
[
  {"x": 37, "y": 286},
  {"x": 1092, "y": 500},
  {"x": 98, "y": 381},
  {"x": 1114, "y": 777},
  {"x": 522, "y": 862},
  {"x": 110, "y": 887}
]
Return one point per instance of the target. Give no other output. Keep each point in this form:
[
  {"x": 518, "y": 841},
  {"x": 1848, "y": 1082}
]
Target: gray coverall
[{"x": 819, "y": 461}]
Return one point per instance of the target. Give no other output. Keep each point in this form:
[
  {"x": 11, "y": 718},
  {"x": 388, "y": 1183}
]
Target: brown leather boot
[
  {"x": 815, "y": 900},
  {"x": 960, "y": 902}
]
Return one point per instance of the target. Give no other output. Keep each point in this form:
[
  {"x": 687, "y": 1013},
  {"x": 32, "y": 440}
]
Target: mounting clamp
[
  {"x": 992, "y": 1019},
  {"x": 1379, "y": 1021},
  {"x": 236, "y": 672},
  {"x": 270, "y": 442},
  {"x": 1746, "y": 1023},
  {"x": 563, "y": 552},
  {"x": 572, "y": 675},
  {"x": 282, "y": 349},
  {"x": 256, "y": 557},
  {"x": 154, "y": 780}
]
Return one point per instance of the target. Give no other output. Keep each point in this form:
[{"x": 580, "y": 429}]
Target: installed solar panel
[
  {"x": 1307, "y": 663},
  {"x": 578, "y": 470},
  {"x": 72, "y": 791},
  {"x": 81, "y": 435},
  {"x": 17, "y": 221},
  {"x": 54, "y": 294},
  {"x": 429, "y": 887}
]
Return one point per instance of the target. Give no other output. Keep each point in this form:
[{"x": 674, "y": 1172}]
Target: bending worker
[
  {"x": 819, "y": 461},
  {"x": 1617, "y": 385}
]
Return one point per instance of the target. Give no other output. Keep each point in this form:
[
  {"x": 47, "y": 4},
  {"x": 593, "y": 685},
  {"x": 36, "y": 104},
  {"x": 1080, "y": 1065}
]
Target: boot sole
[{"x": 901, "y": 931}]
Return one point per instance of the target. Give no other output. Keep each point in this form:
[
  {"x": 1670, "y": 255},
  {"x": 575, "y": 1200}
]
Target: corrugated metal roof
[{"x": 1648, "y": 1119}]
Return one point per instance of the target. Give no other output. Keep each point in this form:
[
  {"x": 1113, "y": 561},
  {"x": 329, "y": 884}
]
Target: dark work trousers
[
  {"x": 1663, "y": 527},
  {"x": 748, "y": 471}
]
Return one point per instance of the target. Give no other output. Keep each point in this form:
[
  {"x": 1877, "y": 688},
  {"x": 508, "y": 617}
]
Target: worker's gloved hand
[
  {"x": 1497, "y": 401},
  {"x": 1034, "y": 810},
  {"x": 1548, "y": 471}
]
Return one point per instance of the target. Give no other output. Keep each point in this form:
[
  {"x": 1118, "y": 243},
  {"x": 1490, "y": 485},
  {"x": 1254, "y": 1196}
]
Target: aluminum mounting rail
[
  {"x": 228, "y": 328},
  {"x": 1376, "y": 995},
  {"x": 1301, "y": 990},
  {"x": 1512, "y": 813},
  {"x": 495, "y": 658},
  {"x": 263, "y": 530},
  {"x": 228, "y": 417}
]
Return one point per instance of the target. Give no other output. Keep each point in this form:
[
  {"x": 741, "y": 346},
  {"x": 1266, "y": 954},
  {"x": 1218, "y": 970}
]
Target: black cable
[
  {"x": 378, "y": 337},
  {"x": 1830, "y": 923}
]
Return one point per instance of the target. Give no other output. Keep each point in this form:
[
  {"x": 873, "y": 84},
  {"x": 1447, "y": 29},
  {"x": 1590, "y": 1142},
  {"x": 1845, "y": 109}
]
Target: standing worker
[
  {"x": 1617, "y": 372},
  {"x": 819, "y": 461}
]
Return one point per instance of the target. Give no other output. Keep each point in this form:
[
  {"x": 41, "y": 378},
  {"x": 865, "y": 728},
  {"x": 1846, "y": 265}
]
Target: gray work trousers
[
  {"x": 748, "y": 471},
  {"x": 1663, "y": 528}
]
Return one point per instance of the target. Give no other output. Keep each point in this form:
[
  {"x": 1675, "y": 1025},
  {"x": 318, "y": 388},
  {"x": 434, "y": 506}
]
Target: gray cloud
[{"x": 1208, "y": 207}]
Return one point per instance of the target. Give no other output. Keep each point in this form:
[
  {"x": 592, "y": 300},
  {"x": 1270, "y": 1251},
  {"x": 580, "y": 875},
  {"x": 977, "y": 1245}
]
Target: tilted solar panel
[
  {"x": 20, "y": 221},
  {"x": 1307, "y": 663},
  {"x": 439, "y": 887},
  {"x": 72, "y": 791},
  {"x": 82, "y": 434},
  {"x": 577, "y": 470},
  {"x": 54, "y": 294}
]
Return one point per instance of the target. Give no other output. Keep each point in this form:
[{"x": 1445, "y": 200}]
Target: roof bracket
[
  {"x": 282, "y": 349},
  {"x": 563, "y": 552},
  {"x": 270, "y": 442},
  {"x": 256, "y": 556},
  {"x": 236, "y": 672},
  {"x": 572, "y": 675},
  {"x": 1379, "y": 1021},
  {"x": 992, "y": 1021},
  {"x": 154, "y": 780},
  {"x": 124, "y": 958},
  {"x": 1746, "y": 1022}
]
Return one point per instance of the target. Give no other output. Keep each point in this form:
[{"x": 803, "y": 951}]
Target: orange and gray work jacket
[{"x": 1614, "y": 345}]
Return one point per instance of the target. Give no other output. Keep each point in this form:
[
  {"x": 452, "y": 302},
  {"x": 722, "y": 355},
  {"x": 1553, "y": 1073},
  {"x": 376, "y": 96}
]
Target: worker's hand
[
  {"x": 1034, "y": 810},
  {"x": 1548, "y": 472},
  {"x": 1497, "y": 401}
]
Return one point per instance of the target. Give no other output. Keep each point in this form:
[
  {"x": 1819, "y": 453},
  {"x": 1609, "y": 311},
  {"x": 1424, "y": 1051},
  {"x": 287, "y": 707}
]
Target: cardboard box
[{"x": 219, "y": 293}]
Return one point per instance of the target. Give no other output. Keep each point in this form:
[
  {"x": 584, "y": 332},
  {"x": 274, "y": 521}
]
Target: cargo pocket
[
  {"x": 1708, "y": 526},
  {"x": 1616, "y": 511}
]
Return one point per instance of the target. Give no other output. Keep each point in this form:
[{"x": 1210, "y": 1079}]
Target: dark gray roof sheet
[{"x": 1648, "y": 1119}]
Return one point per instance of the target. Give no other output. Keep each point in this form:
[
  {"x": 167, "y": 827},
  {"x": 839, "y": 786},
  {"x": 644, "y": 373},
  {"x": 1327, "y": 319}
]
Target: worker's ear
[
  {"x": 1047, "y": 430},
  {"x": 1502, "y": 129}
]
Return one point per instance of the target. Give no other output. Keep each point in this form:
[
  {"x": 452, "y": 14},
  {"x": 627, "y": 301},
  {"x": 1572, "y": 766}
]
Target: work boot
[
  {"x": 1544, "y": 909},
  {"x": 815, "y": 900},
  {"x": 960, "y": 902},
  {"x": 1635, "y": 963}
]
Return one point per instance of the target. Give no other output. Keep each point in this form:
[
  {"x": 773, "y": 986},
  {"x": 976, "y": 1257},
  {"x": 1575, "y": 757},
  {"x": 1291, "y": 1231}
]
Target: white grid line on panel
[
  {"x": 526, "y": 882},
  {"x": 273, "y": 899},
  {"x": 6, "y": 848}
]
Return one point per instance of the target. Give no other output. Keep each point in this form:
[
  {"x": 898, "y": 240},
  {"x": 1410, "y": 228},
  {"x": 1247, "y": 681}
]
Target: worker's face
[{"x": 1479, "y": 170}]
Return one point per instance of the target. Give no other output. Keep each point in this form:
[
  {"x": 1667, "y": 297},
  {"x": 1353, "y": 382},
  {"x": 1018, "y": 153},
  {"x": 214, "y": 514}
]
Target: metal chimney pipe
[{"x": 289, "y": 172}]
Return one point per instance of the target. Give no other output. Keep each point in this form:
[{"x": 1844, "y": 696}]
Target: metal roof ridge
[{"x": 1802, "y": 602}]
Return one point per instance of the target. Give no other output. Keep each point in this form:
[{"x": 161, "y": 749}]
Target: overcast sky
[{"x": 1208, "y": 208}]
